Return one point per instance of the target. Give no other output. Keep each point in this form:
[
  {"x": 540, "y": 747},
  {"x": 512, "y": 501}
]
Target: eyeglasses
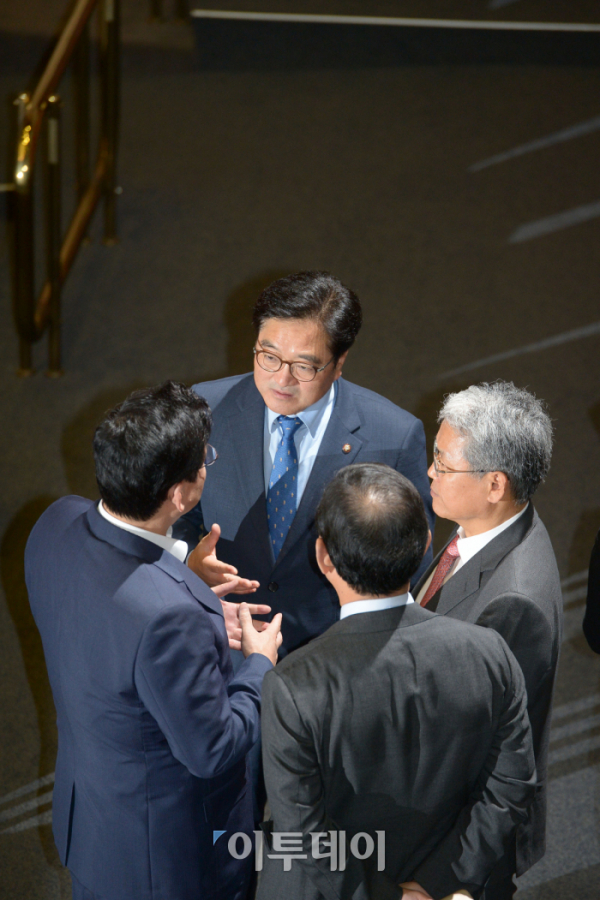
[
  {"x": 211, "y": 455},
  {"x": 439, "y": 471},
  {"x": 270, "y": 362}
]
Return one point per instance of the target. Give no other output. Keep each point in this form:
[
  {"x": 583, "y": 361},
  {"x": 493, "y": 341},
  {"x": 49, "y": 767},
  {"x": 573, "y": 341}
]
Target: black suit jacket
[
  {"x": 374, "y": 429},
  {"x": 404, "y": 722},
  {"x": 591, "y": 621},
  {"x": 513, "y": 586}
]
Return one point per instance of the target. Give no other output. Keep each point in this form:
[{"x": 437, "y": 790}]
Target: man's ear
[
  {"x": 499, "y": 488},
  {"x": 323, "y": 559},
  {"x": 340, "y": 365},
  {"x": 176, "y": 495}
]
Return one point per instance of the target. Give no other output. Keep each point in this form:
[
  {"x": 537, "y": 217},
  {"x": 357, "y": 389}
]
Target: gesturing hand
[
  {"x": 232, "y": 620},
  {"x": 413, "y": 891},
  {"x": 215, "y": 573},
  {"x": 266, "y": 642}
]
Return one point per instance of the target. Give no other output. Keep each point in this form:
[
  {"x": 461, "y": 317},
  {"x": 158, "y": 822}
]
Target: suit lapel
[
  {"x": 468, "y": 579},
  {"x": 458, "y": 587},
  {"x": 246, "y": 426},
  {"x": 341, "y": 431}
]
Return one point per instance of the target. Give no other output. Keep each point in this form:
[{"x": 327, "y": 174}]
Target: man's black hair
[
  {"x": 313, "y": 295},
  {"x": 153, "y": 440},
  {"x": 373, "y": 524}
]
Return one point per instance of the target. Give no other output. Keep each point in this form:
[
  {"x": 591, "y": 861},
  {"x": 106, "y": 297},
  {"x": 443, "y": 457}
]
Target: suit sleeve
[
  {"x": 505, "y": 787},
  {"x": 591, "y": 621},
  {"x": 209, "y": 726},
  {"x": 412, "y": 462},
  {"x": 526, "y": 630}
]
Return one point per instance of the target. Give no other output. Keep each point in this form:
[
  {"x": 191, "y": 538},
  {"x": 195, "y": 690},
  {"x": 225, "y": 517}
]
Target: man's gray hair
[{"x": 507, "y": 429}]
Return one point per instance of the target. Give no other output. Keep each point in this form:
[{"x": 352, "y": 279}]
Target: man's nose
[
  {"x": 431, "y": 473},
  {"x": 284, "y": 376}
]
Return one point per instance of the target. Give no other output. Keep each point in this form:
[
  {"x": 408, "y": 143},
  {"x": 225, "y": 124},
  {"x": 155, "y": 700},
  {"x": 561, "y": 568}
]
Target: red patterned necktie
[{"x": 446, "y": 562}]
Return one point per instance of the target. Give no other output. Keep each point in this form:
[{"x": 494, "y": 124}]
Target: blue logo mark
[{"x": 217, "y": 835}]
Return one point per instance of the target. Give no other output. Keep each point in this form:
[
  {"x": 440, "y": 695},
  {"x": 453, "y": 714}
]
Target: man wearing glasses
[
  {"x": 282, "y": 433},
  {"x": 491, "y": 453}
]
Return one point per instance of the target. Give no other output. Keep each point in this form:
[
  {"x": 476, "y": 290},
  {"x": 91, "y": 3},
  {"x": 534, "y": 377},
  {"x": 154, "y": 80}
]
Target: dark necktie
[
  {"x": 283, "y": 483},
  {"x": 446, "y": 562}
]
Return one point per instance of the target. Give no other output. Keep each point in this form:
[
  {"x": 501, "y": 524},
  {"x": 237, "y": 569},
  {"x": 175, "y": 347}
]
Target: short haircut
[
  {"x": 313, "y": 295},
  {"x": 507, "y": 429},
  {"x": 153, "y": 440},
  {"x": 373, "y": 524}
]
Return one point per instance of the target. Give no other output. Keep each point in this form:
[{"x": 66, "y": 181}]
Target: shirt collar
[
  {"x": 468, "y": 546},
  {"x": 179, "y": 549},
  {"x": 374, "y": 605},
  {"x": 311, "y": 416}
]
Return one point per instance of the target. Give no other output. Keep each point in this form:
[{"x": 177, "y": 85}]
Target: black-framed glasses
[
  {"x": 270, "y": 362},
  {"x": 211, "y": 455},
  {"x": 439, "y": 471}
]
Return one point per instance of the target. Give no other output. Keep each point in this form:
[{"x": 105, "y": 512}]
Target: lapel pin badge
[{"x": 346, "y": 448}]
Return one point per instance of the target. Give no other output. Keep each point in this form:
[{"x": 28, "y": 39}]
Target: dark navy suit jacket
[
  {"x": 374, "y": 429},
  {"x": 153, "y": 728}
]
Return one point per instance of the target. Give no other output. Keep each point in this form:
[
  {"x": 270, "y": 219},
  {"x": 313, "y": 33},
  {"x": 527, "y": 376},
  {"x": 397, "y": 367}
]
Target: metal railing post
[
  {"x": 110, "y": 113},
  {"x": 42, "y": 109},
  {"x": 53, "y": 232},
  {"x": 23, "y": 242}
]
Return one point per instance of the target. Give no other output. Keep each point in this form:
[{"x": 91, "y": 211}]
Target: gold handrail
[{"x": 43, "y": 105}]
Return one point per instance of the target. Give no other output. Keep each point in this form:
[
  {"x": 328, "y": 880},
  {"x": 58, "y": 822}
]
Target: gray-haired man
[{"x": 491, "y": 453}]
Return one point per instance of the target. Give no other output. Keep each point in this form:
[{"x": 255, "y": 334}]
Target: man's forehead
[
  {"x": 302, "y": 337},
  {"x": 448, "y": 441}
]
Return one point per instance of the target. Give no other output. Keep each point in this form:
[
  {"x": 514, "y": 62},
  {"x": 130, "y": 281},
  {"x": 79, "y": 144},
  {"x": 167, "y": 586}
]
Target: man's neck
[
  {"x": 158, "y": 524},
  {"x": 498, "y": 514},
  {"x": 347, "y": 594}
]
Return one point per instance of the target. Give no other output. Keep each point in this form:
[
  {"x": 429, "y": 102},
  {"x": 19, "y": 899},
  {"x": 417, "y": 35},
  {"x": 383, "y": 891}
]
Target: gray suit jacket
[
  {"x": 404, "y": 722},
  {"x": 513, "y": 586}
]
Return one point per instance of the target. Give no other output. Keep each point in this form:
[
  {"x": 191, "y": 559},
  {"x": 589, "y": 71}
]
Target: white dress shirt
[
  {"x": 362, "y": 606},
  {"x": 468, "y": 546},
  {"x": 179, "y": 549},
  {"x": 307, "y": 439}
]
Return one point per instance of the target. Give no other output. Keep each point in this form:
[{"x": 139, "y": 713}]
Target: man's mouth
[{"x": 282, "y": 394}]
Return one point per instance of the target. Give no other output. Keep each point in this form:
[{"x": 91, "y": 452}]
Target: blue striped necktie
[{"x": 281, "y": 500}]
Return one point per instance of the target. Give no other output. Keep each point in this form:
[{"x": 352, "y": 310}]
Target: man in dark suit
[
  {"x": 591, "y": 620},
  {"x": 153, "y": 727},
  {"x": 397, "y": 725},
  {"x": 294, "y": 415},
  {"x": 491, "y": 452}
]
